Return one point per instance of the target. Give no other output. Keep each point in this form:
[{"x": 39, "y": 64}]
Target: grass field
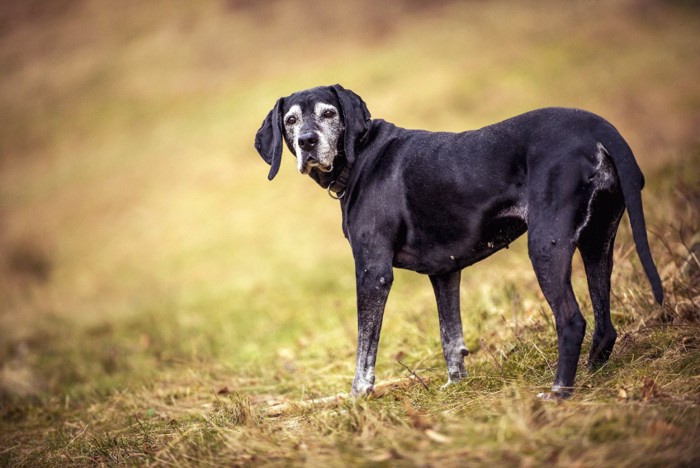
[{"x": 158, "y": 294}]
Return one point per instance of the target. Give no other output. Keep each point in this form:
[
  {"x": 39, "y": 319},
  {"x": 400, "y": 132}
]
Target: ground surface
[{"x": 157, "y": 293}]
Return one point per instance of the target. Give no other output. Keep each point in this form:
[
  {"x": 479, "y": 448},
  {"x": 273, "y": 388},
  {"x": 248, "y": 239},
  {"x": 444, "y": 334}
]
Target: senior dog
[{"x": 437, "y": 202}]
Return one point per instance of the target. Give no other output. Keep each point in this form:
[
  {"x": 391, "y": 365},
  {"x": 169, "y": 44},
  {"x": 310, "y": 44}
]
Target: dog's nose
[{"x": 307, "y": 141}]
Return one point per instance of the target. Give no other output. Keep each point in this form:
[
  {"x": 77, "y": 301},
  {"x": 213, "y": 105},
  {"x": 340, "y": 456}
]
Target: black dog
[{"x": 436, "y": 202}]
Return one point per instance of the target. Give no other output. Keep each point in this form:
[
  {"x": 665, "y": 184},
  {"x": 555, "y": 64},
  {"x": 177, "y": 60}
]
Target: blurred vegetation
[{"x": 156, "y": 291}]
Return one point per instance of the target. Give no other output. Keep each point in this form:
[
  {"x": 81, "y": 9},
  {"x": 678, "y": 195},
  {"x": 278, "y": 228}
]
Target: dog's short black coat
[{"x": 436, "y": 202}]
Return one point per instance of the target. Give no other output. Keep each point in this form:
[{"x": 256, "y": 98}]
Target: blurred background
[{"x": 138, "y": 231}]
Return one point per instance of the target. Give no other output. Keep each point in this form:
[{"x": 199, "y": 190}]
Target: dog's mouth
[{"x": 313, "y": 163}]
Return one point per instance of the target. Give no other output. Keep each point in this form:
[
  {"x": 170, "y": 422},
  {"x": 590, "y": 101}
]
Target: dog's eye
[
  {"x": 328, "y": 113},
  {"x": 291, "y": 120}
]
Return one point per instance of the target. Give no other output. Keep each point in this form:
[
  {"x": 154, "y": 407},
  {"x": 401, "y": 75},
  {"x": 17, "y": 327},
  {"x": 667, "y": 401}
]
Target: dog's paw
[
  {"x": 454, "y": 378},
  {"x": 361, "y": 388},
  {"x": 557, "y": 394},
  {"x": 448, "y": 384}
]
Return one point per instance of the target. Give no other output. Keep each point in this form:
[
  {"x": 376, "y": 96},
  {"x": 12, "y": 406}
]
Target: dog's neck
[{"x": 336, "y": 179}]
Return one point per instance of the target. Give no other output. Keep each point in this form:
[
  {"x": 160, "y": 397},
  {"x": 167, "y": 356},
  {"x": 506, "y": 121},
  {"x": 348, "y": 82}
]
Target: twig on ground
[
  {"x": 413, "y": 374},
  {"x": 381, "y": 389}
]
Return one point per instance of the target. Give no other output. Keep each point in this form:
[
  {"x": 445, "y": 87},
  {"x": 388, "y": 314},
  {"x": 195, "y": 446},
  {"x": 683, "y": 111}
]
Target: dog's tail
[{"x": 632, "y": 182}]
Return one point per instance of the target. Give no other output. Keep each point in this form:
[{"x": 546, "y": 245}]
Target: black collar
[{"x": 336, "y": 189}]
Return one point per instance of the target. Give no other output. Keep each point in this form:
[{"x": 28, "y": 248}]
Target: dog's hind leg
[
  {"x": 552, "y": 265},
  {"x": 556, "y": 214},
  {"x": 596, "y": 246},
  {"x": 446, "y": 289}
]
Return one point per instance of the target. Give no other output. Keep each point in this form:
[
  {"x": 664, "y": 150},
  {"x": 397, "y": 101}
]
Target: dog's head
[{"x": 319, "y": 125}]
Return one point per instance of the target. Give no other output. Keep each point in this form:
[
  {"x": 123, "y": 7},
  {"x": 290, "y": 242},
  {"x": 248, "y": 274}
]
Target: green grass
[{"x": 157, "y": 293}]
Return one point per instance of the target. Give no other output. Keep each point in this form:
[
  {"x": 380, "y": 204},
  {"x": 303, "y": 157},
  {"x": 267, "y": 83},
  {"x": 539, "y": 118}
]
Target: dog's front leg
[
  {"x": 373, "y": 284},
  {"x": 446, "y": 289}
]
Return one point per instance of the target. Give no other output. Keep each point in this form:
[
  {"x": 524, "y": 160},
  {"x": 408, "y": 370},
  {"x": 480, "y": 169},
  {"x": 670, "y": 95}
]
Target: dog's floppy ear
[
  {"x": 356, "y": 118},
  {"x": 268, "y": 140}
]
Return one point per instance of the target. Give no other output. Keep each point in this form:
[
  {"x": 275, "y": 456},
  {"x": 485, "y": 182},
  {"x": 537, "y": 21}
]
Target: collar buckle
[{"x": 337, "y": 188}]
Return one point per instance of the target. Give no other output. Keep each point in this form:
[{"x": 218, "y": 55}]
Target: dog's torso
[{"x": 449, "y": 200}]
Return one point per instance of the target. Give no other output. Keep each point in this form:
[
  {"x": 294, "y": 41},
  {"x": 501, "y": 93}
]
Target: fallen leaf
[
  {"x": 649, "y": 389},
  {"x": 437, "y": 437},
  {"x": 380, "y": 457},
  {"x": 391, "y": 454},
  {"x": 418, "y": 419},
  {"x": 622, "y": 393},
  {"x": 661, "y": 428}
]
